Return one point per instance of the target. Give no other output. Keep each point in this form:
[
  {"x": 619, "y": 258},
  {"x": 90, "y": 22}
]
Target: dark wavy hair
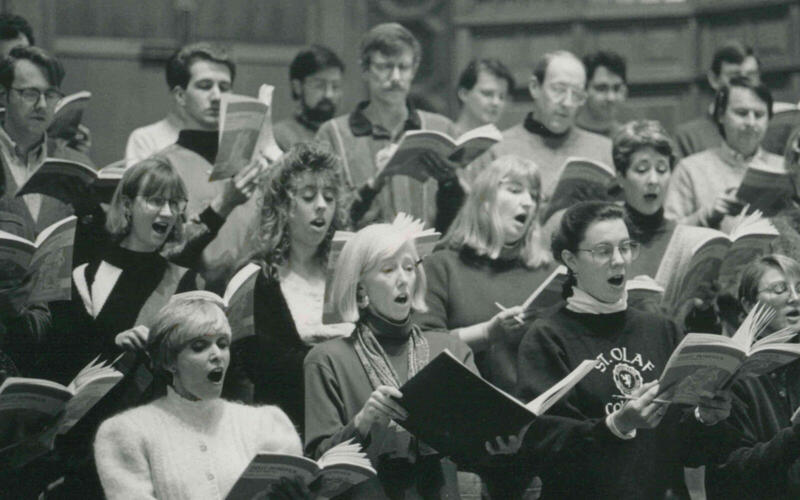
[
  {"x": 638, "y": 134},
  {"x": 574, "y": 223},
  {"x": 279, "y": 187}
]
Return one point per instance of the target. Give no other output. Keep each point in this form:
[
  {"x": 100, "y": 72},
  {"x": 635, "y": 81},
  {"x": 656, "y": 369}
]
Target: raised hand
[{"x": 134, "y": 339}]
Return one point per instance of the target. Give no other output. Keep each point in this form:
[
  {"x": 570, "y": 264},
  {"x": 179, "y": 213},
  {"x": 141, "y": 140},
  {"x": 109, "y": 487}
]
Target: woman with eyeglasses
[
  {"x": 133, "y": 271},
  {"x": 492, "y": 254},
  {"x": 303, "y": 207},
  {"x": 613, "y": 451},
  {"x": 764, "y": 461},
  {"x": 190, "y": 443}
]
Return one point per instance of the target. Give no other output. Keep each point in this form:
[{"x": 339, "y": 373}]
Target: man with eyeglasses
[
  {"x": 548, "y": 135},
  {"x": 606, "y": 91},
  {"x": 29, "y": 85},
  {"x": 315, "y": 75},
  {"x": 390, "y": 57}
]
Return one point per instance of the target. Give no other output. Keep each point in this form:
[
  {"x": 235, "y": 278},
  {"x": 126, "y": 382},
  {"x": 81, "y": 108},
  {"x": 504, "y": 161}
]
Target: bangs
[
  {"x": 163, "y": 181},
  {"x": 322, "y": 178},
  {"x": 203, "y": 321},
  {"x": 391, "y": 246}
]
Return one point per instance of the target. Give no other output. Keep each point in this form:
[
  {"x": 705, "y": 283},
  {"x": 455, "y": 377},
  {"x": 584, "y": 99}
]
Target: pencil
[{"x": 503, "y": 308}]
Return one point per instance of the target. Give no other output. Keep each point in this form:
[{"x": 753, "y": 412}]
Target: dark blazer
[{"x": 267, "y": 368}]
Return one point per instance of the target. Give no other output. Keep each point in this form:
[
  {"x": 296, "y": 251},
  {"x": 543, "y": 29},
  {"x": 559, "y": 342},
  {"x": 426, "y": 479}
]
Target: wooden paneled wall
[
  {"x": 117, "y": 48},
  {"x": 668, "y": 44}
]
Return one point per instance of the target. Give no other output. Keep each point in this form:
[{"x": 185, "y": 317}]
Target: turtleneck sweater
[
  {"x": 462, "y": 290},
  {"x": 653, "y": 232},
  {"x": 532, "y": 140},
  {"x": 336, "y": 388},
  {"x": 180, "y": 449}
]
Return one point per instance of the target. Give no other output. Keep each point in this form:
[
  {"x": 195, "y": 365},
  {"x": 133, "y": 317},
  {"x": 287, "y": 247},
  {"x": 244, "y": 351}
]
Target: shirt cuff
[
  {"x": 212, "y": 220},
  {"x": 613, "y": 428}
]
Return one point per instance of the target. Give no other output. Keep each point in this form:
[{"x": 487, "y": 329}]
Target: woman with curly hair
[{"x": 303, "y": 206}]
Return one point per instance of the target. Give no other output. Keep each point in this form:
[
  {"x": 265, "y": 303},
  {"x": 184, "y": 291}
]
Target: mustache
[{"x": 394, "y": 86}]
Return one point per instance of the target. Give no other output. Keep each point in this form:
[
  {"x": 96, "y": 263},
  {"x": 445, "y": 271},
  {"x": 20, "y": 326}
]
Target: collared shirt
[
  {"x": 361, "y": 126},
  {"x": 357, "y": 141},
  {"x": 700, "y": 178},
  {"x": 22, "y": 165},
  {"x": 150, "y": 139}
]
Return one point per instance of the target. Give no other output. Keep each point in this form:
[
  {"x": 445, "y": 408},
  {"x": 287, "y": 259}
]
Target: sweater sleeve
[
  {"x": 681, "y": 203},
  {"x": 435, "y": 318},
  {"x": 121, "y": 457},
  {"x": 280, "y": 436},
  {"x": 325, "y": 411}
]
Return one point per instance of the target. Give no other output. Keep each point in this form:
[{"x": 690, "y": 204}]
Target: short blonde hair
[
  {"x": 361, "y": 254},
  {"x": 478, "y": 225},
  {"x": 185, "y": 317}
]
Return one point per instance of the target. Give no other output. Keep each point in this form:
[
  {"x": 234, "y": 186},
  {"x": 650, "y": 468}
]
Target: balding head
[{"x": 557, "y": 88}]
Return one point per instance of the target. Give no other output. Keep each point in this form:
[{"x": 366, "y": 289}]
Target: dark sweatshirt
[{"x": 631, "y": 348}]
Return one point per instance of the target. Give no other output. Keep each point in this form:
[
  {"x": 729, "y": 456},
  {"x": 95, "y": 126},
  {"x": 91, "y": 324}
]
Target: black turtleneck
[
  {"x": 393, "y": 337},
  {"x": 203, "y": 142},
  {"x": 534, "y": 126},
  {"x": 645, "y": 227}
]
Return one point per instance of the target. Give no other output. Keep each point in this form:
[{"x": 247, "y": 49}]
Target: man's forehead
[
  {"x": 405, "y": 55},
  {"x": 602, "y": 73},
  {"x": 565, "y": 69},
  {"x": 743, "y": 96},
  {"x": 326, "y": 74},
  {"x": 28, "y": 74},
  {"x": 730, "y": 67},
  {"x": 203, "y": 69}
]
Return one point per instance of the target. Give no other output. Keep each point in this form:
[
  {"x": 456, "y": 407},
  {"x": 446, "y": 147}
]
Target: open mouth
[
  {"x": 521, "y": 218},
  {"x": 650, "y": 197},
  {"x": 793, "y": 315},
  {"x": 617, "y": 280},
  {"x": 318, "y": 223},
  {"x": 160, "y": 227},
  {"x": 402, "y": 298},
  {"x": 216, "y": 374}
]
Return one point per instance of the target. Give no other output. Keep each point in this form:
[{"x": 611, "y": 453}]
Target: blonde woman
[
  {"x": 351, "y": 384},
  {"x": 189, "y": 443},
  {"x": 493, "y": 254}
]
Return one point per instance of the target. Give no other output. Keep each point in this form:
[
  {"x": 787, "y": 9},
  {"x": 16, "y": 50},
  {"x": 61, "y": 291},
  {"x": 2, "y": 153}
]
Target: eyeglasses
[
  {"x": 560, "y": 91},
  {"x": 602, "y": 253},
  {"x": 780, "y": 288},
  {"x": 385, "y": 69},
  {"x": 31, "y": 95},
  {"x": 155, "y": 203}
]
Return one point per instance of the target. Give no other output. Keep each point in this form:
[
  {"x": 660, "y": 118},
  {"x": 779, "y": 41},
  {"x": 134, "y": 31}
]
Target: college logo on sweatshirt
[{"x": 626, "y": 369}]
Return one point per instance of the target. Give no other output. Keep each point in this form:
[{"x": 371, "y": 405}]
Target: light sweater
[
  {"x": 700, "y": 178},
  {"x": 150, "y": 139},
  {"x": 174, "y": 448},
  {"x": 549, "y": 153}
]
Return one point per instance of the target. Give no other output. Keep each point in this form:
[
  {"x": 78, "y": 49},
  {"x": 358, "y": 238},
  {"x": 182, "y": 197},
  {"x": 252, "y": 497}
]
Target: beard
[{"x": 323, "y": 111}]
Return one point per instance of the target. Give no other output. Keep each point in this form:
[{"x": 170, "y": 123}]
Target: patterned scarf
[{"x": 372, "y": 356}]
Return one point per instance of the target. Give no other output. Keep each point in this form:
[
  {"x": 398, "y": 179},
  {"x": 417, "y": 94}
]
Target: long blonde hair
[{"x": 478, "y": 224}]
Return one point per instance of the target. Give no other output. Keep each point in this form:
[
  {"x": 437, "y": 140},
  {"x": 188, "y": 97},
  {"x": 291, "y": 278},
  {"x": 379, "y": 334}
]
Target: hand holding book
[
  {"x": 640, "y": 412},
  {"x": 381, "y": 407}
]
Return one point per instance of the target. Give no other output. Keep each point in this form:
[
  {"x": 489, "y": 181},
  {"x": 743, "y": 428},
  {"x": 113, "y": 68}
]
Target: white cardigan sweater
[{"x": 174, "y": 448}]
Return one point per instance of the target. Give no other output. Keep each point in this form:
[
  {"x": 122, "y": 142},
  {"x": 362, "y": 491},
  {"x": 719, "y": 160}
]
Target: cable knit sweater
[{"x": 174, "y": 448}]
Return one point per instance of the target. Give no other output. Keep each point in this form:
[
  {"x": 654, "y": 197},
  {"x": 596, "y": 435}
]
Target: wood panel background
[{"x": 117, "y": 48}]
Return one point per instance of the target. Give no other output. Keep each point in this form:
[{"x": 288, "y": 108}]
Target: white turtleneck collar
[{"x": 582, "y": 302}]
